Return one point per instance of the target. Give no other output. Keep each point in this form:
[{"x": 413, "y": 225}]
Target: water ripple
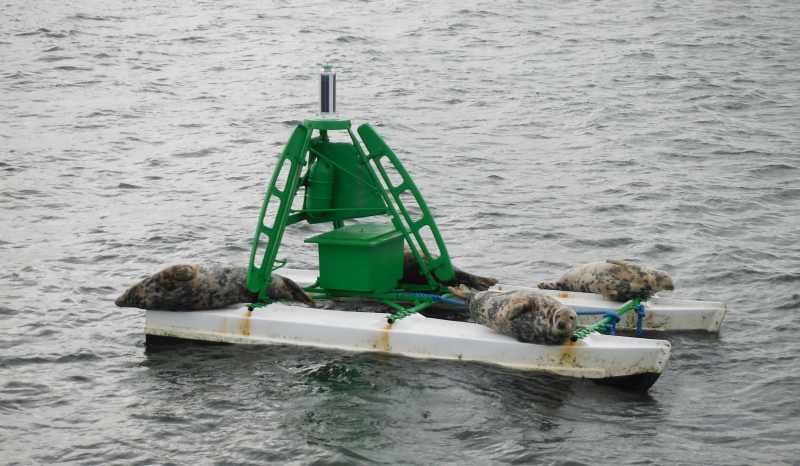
[{"x": 542, "y": 136}]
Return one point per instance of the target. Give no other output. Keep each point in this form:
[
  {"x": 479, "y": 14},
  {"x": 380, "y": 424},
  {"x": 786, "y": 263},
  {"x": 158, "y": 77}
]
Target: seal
[
  {"x": 204, "y": 286},
  {"x": 528, "y": 316},
  {"x": 412, "y": 275},
  {"x": 614, "y": 279}
]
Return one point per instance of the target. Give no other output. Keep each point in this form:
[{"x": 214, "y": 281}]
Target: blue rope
[
  {"x": 640, "y": 313},
  {"x": 611, "y": 327},
  {"x": 434, "y": 297}
]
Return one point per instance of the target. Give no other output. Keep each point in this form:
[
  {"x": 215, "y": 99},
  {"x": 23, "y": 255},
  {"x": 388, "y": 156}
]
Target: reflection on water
[{"x": 359, "y": 403}]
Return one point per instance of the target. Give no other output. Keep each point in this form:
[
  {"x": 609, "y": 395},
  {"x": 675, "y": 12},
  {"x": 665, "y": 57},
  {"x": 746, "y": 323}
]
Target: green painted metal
[
  {"x": 269, "y": 232},
  {"x": 354, "y": 193},
  {"x": 599, "y": 326},
  {"x": 412, "y": 228},
  {"x": 343, "y": 182},
  {"x": 421, "y": 302},
  {"x": 326, "y": 124},
  {"x": 360, "y": 258}
]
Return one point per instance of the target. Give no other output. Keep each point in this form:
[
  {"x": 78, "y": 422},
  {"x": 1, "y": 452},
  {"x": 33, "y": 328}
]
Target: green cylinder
[{"x": 320, "y": 188}]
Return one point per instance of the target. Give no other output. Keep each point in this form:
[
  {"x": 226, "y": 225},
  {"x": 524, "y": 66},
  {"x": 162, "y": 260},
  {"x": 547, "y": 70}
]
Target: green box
[{"x": 363, "y": 258}]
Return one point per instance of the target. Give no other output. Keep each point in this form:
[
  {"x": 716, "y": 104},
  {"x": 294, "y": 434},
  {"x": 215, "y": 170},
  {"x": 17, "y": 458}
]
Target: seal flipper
[
  {"x": 412, "y": 274},
  {"x": 462, "y": 292},
  {"x": 474, "y": 281},
  {"x": 619, "y": 262},
  {"x": 179, "y": 273},
  {"x": 284, "y": 288},
  {"x": 518, "y": 310}
]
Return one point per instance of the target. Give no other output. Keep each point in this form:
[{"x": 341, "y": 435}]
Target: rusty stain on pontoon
[
  {"x": 245, "y": 325},
  {"x": 381, "y": 341},
  {"x": 568, "y": 355}
]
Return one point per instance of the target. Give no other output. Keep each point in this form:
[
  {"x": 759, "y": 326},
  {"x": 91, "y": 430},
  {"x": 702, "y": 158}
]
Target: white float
[
  {"x": 661, "y": 314},
  {"x": 633, "y": 363}
]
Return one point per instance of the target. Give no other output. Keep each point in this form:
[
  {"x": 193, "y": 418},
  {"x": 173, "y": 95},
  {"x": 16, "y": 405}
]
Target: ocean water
[{"x": 542, "y": 134}]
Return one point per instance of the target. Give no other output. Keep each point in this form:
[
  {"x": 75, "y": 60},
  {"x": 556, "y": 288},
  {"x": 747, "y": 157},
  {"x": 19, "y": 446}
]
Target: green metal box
[{"x": 363, "y": 258}]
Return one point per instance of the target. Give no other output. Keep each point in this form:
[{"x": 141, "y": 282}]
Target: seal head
[
  {"x": 614, "y": 279},
  {"x": 203, "y": 286},
  {"x": 528, "y": 316}
]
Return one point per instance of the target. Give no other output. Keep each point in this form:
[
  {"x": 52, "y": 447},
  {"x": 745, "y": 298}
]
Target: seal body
[
  {"x": 614, "y": 279},
  {"x": 525, "y": 315},
  {"x": 412, "y": 275},
  {"x": 204, "y": 286}
]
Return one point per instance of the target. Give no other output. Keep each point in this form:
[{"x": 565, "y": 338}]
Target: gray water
[{"x": 543, "y": 134}]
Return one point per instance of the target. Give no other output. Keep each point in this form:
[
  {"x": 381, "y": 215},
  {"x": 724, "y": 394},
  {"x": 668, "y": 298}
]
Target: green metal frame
[
  {"x": 601, "y": 325},
  {"x": 299, "y": 153}
]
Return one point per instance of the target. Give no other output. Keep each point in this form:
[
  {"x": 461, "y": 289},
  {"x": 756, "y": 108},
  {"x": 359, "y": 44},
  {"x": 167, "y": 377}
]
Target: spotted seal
[
  {"x": 614, "y": 279},
  {"x": 204, "y": 286},
  {"x": 412, "y": 275},
  {"x": 528, "y": 316}
]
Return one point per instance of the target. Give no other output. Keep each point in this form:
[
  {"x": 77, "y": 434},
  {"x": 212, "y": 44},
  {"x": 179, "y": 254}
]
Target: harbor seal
[
  {"x": 614, "y": 279},
  {"x": 412, "y": 275},
  {"x": 528, "y": 316},
  {"x": 204, "y": 286}
]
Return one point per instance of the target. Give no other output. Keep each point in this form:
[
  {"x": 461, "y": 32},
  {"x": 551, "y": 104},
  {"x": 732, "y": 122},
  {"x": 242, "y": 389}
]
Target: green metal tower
[{"x": 341, "y": 181}]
